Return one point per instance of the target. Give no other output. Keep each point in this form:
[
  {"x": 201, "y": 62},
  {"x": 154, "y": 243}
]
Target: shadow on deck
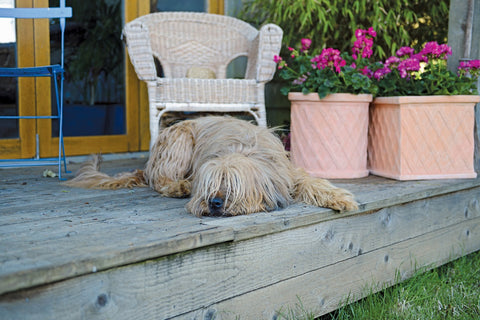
[{"x": 131, "y": 254}]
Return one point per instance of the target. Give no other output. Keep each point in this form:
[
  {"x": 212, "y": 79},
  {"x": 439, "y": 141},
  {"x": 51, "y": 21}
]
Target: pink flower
[
  {"x": 367, "y": 72},
  {"x": 280, "y": 61},
  {"x": 392, "y": 61},
  {"x": 329, "y": 58},
  {"x": 471, "y": 67},
  {"x": 436, "y": 51},
  {"x": 359, "y": 33},
  {"x": 405, "y": 51},
  {"x": 380, "y": 73},
  {"x": 420, "y": 57},
  {"x": 364, "y": 43},
  {"x": 306, "y": 43},
  {"x": 406, "y": 65}
]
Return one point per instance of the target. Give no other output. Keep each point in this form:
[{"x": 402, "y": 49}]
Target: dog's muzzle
[{"x": 215, "y": 206}]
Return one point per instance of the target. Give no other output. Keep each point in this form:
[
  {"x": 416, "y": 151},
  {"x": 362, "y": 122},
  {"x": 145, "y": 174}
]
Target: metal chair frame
[{"x": 56, "y": 72}]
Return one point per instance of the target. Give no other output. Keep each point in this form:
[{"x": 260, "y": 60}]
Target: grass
[{"x": 451, "y": 291}]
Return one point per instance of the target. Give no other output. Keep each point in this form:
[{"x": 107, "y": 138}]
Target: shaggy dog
[{"x": 228, "y": 166}]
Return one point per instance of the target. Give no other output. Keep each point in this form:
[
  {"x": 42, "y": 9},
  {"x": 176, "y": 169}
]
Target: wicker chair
[{"x": 192, "y": 43}]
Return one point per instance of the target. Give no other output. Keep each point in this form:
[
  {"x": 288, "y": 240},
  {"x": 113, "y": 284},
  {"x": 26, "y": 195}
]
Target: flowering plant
[
  {"x": 425, "y": 73},
  {"x": 330, "y": 71}
]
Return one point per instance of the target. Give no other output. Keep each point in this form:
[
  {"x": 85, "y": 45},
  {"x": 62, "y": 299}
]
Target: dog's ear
[{"x": 171, "y": 155}]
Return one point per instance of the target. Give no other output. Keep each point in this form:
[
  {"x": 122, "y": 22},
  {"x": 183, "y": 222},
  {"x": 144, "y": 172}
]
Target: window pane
[
  {"x": 94, "y": 90},
  {"x": 175, "y": 5}
]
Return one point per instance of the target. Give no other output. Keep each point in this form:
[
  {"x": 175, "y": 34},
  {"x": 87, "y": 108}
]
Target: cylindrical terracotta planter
[
  {"x": 329, "y": 136},
  {"x": 422, "y": 137}
]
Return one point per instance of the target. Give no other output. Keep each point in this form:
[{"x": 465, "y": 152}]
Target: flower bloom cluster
[
  {"x": 407, "y": 61},
  {"x": 433, "y": 50},
  {"x": 364, "y": 43},
  {"x": 328, "y": 58},
  {"x": 471, "y": 67},
  {"x": 405, "y": 73},
  {"x": 330, "y": 71}
]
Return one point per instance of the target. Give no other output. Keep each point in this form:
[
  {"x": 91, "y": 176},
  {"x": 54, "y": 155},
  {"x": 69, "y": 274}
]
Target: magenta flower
[
  {"x": 366, "y": 71},
  {"x": 471, "y": 67},
  {"x": 406, "y": 65},
  {"x": 392, "y": 61},
  {"x": 420, "y": 57},
  {"x": 330, "y": 58},
  {"x": 293, "y": 53},
  {"x": 405, "y": 51},
  {"x": 372, "y": 32},
  {"x": 281, "y": 63},
  {"x": 306, "y": 43},
  {"x": 380, "y": 73},
  {"x": 436, "y": 51},
  {"x": 364, "y": 43}
]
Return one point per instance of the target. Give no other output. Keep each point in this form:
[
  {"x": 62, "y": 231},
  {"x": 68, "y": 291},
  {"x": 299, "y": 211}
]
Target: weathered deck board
[{"x": 130, "y": 254}]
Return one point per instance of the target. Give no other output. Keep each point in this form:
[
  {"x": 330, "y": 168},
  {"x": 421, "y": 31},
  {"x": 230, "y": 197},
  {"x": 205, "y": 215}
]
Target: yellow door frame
[{"x": 23, "y": 147}]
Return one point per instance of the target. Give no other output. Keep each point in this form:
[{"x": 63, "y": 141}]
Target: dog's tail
[{"x": 89, "y": 177}]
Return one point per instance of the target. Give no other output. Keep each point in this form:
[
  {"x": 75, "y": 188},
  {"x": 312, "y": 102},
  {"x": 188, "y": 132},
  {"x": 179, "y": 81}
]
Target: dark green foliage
[{"x": 331, "y": 23}]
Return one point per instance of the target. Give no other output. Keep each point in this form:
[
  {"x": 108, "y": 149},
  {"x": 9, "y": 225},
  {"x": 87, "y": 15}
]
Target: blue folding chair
[{"x": 56, "y": 72}]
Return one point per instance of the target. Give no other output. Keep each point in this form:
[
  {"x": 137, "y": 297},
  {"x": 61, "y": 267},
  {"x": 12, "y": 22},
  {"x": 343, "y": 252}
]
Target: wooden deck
[{"x": 130, "y": 254}]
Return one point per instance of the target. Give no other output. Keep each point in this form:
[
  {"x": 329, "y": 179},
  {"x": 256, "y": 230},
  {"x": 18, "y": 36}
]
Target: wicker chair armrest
[
  {"x": 137, "y": 38},
  {"x": 269, "y": 43}
]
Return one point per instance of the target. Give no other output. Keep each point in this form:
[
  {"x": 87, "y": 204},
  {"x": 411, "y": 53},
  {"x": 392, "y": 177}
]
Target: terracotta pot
[
  {"x": 329, "y": 136},
  {"x": 422, "y": 137}
]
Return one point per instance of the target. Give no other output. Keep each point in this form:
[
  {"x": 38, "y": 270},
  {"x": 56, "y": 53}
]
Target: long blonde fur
[{"x": 243, "y": 166}]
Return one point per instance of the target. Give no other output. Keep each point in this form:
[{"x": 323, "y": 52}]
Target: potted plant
[
  {"x": 422, "y": 122},
  {"x": 330, "y": 95}
]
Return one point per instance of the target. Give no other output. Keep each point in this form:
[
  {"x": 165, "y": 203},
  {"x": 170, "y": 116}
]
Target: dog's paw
[
  {"x": 346, "y": 203},
  {"x": 341, "y": 200},
  {"x": 176, "y": 189}
]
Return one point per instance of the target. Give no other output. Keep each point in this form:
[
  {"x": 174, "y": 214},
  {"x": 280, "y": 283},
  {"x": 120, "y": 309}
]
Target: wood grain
[{"x": 183, "y": 271}]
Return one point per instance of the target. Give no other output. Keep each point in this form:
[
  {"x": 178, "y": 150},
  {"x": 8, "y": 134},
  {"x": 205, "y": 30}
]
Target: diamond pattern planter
[
  {"x": 422, "y": 137},
  {"x": 329, "y": 136}
]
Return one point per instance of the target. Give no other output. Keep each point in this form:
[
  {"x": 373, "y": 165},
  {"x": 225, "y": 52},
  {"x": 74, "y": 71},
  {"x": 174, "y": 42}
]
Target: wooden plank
[
  {"x": 324, "y": 290},
  {"x": 74, "y": 247},
  {"x": 184, "y": 283}
]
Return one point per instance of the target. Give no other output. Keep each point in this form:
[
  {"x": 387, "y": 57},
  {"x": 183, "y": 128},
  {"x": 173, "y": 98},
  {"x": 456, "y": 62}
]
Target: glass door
[
  {"x": 95, "y": 110},
  {"x": 100, "y": 113}
]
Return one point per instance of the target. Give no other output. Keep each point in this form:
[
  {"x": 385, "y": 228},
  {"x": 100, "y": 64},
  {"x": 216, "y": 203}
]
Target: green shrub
[{"x": 331, "y": 23}]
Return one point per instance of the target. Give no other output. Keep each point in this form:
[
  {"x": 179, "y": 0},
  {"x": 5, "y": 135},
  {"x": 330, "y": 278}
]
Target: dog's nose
[
  {"x": 216, "y": 203},
  {"x": 215, "y": 206}
]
